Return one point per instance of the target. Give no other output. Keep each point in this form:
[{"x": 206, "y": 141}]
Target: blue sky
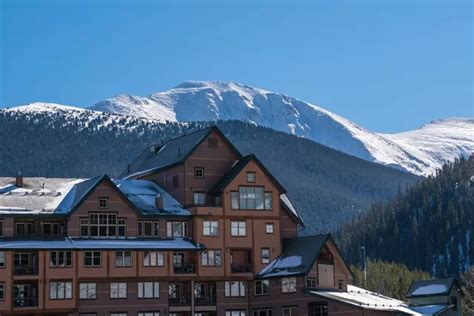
[{"x": 387, "y": 65}]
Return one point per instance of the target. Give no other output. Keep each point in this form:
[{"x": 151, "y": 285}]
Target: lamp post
[{"x": 364, "y": 265}]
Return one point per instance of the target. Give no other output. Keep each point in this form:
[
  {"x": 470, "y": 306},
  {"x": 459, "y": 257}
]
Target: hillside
[
  {"x": 421, "y": 151},
  {"x": 430, "y": 227},
  {"x": 329, "y": 187}
]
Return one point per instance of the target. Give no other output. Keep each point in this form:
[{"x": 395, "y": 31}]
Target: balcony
[
  {"x": 29, "y": 269},
  {"x": 180, "y": 300},
  {"x": 240, "y": 268},
  {"x": 25, "y": 295},
  {"x": 205, "y": 293},
  {"x": 25, "y": 302},
  {"x": 185, "y": 269},
  {"x": 179, "y": 293}
]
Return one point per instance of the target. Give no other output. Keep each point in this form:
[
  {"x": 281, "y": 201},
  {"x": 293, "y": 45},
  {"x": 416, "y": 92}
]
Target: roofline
[
  {"x": 291, "y": 214},
  {"x": 455, "y": 282},
  {"x": 212, "y": 128}
]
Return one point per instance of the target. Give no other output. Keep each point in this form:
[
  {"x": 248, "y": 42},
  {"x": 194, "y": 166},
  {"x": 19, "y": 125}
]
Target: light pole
[{"x": 364, "y": 265}]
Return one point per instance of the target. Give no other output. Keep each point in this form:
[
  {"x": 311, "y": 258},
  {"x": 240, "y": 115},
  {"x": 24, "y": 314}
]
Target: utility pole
[{"x": 364, "y": 265}]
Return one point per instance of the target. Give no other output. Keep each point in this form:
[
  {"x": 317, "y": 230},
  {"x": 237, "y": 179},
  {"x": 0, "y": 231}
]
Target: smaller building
[{"x": 440, "y": 297}]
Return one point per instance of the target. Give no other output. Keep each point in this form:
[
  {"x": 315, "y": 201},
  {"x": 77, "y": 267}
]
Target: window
[
  {"x": 52, "y": 229},
  {"x": 340, "y": 284},
  {"x": 176, "y": 229},
  {"x": 210, "y": 228},
  {"x": 236, "y": 313},
  {"x": 103, "y": 225},
  {"x": 251, "y": 177},
  {"x": 149, "y": 314},
  {"x": 60, "y": 290},
  {"x": 24, "y": 229},
  {"x": 212, "y": 143},
  {"x": 175, "y": 181},
  {"x": 269, "y": 228},
  {"x": 2, "y": 259},
  {"x": 103, "y": 202},
  {"x": 148, "y": 229},
  {"x": 251, "y": 198},
  {"x": 123, "y": 258},
  {"x": 319, "y": 309},
  {"x": 311, "y": 283},
  {"x": 148, "y": 289},
  {"x": 211, "y": 258},
  {"x": 289, "y": 311},
  {"x": 92, "y": 259},
  {"x": 288, "y": 285},
  {"x": 118, "y": 290},
  {"x": 153, "y": 259},
  {"x": 199, "y": 173},
  {"x": 199, "y": 198},
  {"x": 262, "y": 312},
  {"x": 265, "y": 255},
  {"x": 238, "y": 228},
  {"x": 60, "y": 259},
  {"x": 2, "y": 291},
  {"x": 262, "y": 287},
  {"x": 1, "y": 228},
  {"x": 87, "y": 291},
  {"x": 235, "y": 288}
]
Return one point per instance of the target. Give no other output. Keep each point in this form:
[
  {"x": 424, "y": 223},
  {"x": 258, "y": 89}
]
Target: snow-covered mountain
[{"x": 421, "y": 151}]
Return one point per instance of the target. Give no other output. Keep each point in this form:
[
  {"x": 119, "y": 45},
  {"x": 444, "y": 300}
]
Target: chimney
[
  {"x": 159, "y": 201},
  {"x": 19, "y": 180}
]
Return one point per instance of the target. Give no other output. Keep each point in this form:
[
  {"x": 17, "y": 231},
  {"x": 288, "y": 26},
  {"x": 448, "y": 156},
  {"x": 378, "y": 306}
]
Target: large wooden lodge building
[{"x": 192, "y": 228}]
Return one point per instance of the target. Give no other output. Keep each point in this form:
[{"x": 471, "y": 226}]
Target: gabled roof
[
  {"x": 297, "y": 258},
  {"x": 439, "y": 287},
  {"x": 170, "y": 153},
  {"x": 77, "y": 194}
]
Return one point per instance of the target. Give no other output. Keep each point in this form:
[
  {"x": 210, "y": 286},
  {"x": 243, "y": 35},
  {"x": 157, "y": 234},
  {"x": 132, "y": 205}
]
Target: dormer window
[
  {"x": 103, "y": 202},
  {"x": 212, "y": 143},
  {"x": 251, "y": 177},
  {"x": 199, "y": 173}
]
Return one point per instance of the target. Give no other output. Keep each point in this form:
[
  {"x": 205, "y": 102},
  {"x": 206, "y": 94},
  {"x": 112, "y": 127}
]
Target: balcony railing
[
  {"x": 25, "y": 301},
  {"x": 180, "y": 300},
  {"x": 185, "y": 269},
  {"x": 240, "y": 268},
  {"x": 30, "y": 269},
  {"x": 205, "y": 300}
]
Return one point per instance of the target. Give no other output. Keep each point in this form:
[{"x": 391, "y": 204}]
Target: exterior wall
[
  {"x": 165, "y": 180},
  {"x": 288, "y": 227}
]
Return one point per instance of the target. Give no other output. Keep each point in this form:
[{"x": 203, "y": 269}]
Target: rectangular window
[
  {"x": 153, "y": 259},
  {"x": 103, "y": 225},
  {"x": 60, "y": 259},
  {"x": 199, "y": 198},
  {"x": 148, "y": 289},
  {"x": 92, "y": 259},
  {"x": 148, "y": 229},
  {"x": 2, "y": 259},
  {"x": 288, "y": 285},
  {"x": 262, "y": 312},
  {"x": 251, "y": 198},
  {"x": 236, "y": 313},
  {"x": 340, "y": 284},
  {"x": 319, "y": 309},
  {"x": 60, "y": 290},
  {"x": 199, "y": 173},
  {"x": 176, "y": 229},
  {"x": 265, "y": 255},
  {"x": 84, "y": 227},
  {"x": 311, "y": 283},
  {"x": 52, "y": 229},
  {"x": 2, "y": 291},
  {"x": 123, "y": 258},
  {"x": 210, "y": 228},
  {"x": 251, "y": 177},
  {"x": 118, "y": 290},
  {"x": 262, "y": 287},
  {"x": 103, "y": 202},
  {"x": 24, "y": 229},
  {"x": 1, "y": 228},
  {"x": 211, "y": 258},
  {"x": 289, "y": 311},
  {"x": 212, "y": 143},
  {"x": 269, "y": 228},
  {"x": 235, "y": 288},
  {"x": 149, "y": 314},
  {"x": 238, "y": 228},
  {"x": 87, "y": 291}
]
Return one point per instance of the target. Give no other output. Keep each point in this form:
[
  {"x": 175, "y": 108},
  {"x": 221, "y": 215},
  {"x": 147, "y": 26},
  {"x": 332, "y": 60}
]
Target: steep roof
[
  {"x": 170, "y": 153},
  {"x": 297, "y": 258},
  {"x": 439, "y": 287}
]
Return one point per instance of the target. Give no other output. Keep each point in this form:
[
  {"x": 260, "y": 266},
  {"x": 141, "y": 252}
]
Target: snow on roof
[
  {"x": 431, "y": 287},
  {"x": 430, "y": 310},
  {"x": 131, "y": 243},
  {"x": 37, "y": 194},
  {"x": 368, "y": 300},
  {"x": 142, "y": 193},
  {"x": 286, "y": 201}
]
